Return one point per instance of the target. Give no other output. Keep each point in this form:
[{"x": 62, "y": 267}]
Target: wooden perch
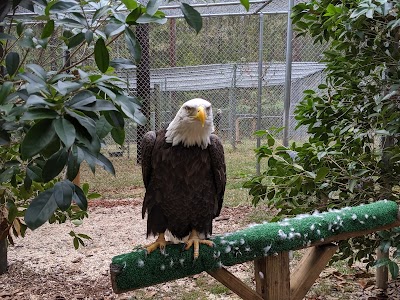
[{"x": 268, "y": 245}]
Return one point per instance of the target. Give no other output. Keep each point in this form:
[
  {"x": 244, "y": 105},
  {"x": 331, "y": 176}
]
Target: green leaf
[
  {"x": 246, "y": 4},
  {"x": 75, "y": 158},
  {"x": 34, "y": 173},
  {"x": 121, "y": 63},
  {"x": 88, "y": 123},
  {"x": 192, "y": 17},
  {"x": 118, "y": 135},
  {"x": 37, "y": 138},
  {"x": 152, "y": 6},
  {"x": 65, "y": 131},
  {"x": 81, "y": 99},
  {"x": 38, "y": 70},
  {"x": 101, "y": 55},
  {"x": 80, "y": 198},
  {"x": 130, "y": 4},
  {"x": 76, "y": 40},
  {"x": 63, "y": 192},
  {"x": 54, "y": 165},
  {"x": 48, "y": 29},
  {"x": 12, "y": 63},
  {"x": 34, "y": 114},
  {"x": 89, "y": 36},
  {"x": 41, "y": 209},
  {"x": 67, "y": 87},
  {"x": 133, "y": 45},
  {"x": 5, "y": 90},
  {"x": 352, "y": 184},
  {"x": 60, "y": 6},
  {"x": 393, "y": 269},
  {"x": 103, "y": 128},
  {"x": 105, "y": 163},
  {"x": 321, "y": 173},
  {"x": 6, "y": 36}
]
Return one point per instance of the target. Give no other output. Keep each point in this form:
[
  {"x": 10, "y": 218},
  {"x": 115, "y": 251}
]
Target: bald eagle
[{"x": 184, "y": 174}]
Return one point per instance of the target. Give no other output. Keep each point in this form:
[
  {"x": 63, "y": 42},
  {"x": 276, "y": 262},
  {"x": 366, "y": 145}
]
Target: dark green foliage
[
  {"x": 56, "y": 112},
  {"x": 352, "y": 155}
]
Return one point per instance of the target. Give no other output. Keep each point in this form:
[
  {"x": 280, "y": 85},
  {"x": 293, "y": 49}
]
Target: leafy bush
[
  {"x": 59, "y": 98},
  {"x": 352, "y": 154}
]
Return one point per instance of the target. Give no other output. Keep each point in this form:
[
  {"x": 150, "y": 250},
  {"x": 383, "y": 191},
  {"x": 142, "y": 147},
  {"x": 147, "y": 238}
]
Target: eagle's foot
[
  {"x": 159, "y": 243},
  {"x": 195, "y": 241}
]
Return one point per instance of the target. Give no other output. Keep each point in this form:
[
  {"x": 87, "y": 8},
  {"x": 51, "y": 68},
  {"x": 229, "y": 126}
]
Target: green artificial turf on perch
[{"x": 137, "y": 269}]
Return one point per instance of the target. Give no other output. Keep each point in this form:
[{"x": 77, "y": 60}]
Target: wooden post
[
  {"x": 309, "y": 268},
  {"x": 272, "y": 276},
  {"x": 234, "y": 284},
  {"x": 382, "y": 272}
]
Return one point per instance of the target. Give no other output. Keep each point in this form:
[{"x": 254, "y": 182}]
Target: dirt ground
[{"x": 44, "y": 265}]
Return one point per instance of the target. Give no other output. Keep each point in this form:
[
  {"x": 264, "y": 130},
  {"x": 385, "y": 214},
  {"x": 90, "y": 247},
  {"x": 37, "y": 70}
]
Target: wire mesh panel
[{"x": 221, "y": 64}]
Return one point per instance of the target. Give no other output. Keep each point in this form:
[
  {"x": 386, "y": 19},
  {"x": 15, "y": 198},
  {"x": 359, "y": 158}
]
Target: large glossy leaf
[
  {"x": 54, "y": 165},
  {"x": 246, "y": 4},
  {"x": 115, "y": 118},
  {"x": 133, "y": 45},
  {"x": 60, "y": 6},
  {"x": 34, "y": 172},
  {"x": 66, "y": 87},
  {"x": 118, "y": 135},
  {"x": 152, "y": 6},
  {"x": 6, "y": 36},
  {"x": 88, "y": 123},
  {"x": 80, "y": 198},
  {"x": 134, "y": 15},
  {"x": 130, "y": 4},
  {"x": 38, "y": 70},
  {"x": 112, "y": 29},
  {"x": 101, "y": 12},
  {"x": 81, "y": 99},
  {"x": 192, "y": 17},
  {"x": 41, "y": 209},
  {"x": 101, "y": 55},
  {"x": 122, "y": 63},
  {"x": 63, "y": 192},
  {"x": 35, "y": 100},
  {"x": 158, "y": 18},
  {"x": 39, "y": 114},
  {"x": 12, "y": 63},
  {"x": 99, "y": 105},
  {"x": 37, "y": 138},
  {"x": 103, "y": 128},
  {"x": 105, "y": 163},
  {"x": 48, "y": 29},
  {"x": 5, "y": 90},
  {"x": 74, "y": 162},
  {"x": 65, "y": 131},
  {"x": 76, "y": 40}
]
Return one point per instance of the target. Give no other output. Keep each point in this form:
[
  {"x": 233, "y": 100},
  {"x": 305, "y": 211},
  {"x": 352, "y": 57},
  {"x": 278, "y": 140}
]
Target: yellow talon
[
  {"x": 195, "y": 241},
  {"x": 159, "y": 243}
]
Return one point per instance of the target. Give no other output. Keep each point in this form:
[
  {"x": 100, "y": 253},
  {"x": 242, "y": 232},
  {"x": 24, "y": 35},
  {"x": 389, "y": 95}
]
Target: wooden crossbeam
[
  {"x": 309, "y": 268},
  {"x": 234, "y": 284}
]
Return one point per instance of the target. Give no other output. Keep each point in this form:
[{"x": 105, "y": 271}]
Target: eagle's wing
[
  {"x": 219, "y": 170},
  {"x": 147, "y": 146}
]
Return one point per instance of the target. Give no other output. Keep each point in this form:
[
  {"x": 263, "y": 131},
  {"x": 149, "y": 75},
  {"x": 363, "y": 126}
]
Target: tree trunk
[
  {"x": 3, "y": 243},
  {"x": 143, "y": 84},
  {"x": 3, "y": 256}
]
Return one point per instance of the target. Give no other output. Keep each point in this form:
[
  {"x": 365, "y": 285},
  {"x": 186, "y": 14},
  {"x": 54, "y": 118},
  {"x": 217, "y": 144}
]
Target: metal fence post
[{"x": 260, "y": 80}]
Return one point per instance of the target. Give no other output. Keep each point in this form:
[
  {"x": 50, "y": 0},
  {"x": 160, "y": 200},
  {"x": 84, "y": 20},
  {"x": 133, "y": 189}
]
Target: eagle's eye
[
  {"x": 188, "y": 109},
  {"x": 208, "y": 110}
]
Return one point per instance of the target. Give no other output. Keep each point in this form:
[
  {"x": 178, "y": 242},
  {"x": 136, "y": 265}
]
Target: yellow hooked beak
[{"x": 201, "y": 115}]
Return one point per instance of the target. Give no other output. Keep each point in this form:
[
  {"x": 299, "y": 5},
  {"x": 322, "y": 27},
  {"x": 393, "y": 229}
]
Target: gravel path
[{"x": 44, "y": 264}]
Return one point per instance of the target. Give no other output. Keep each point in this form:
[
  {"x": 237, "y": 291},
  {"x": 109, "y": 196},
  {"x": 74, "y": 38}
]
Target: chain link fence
[{"x": 221, "y": 64}]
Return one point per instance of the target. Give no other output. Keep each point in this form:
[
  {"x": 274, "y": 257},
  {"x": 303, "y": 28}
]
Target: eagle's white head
[{"x": 192, "y": 125}]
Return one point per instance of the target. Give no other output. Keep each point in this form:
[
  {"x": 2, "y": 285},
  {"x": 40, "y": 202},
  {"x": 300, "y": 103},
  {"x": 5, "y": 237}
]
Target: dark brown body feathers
[{"x": 184, "y": 185}]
